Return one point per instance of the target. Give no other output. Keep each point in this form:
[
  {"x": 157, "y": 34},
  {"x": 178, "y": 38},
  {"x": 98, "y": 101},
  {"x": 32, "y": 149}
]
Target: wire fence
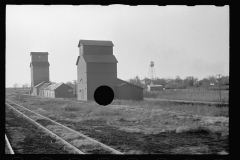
[{"x": 189, "y": 94}]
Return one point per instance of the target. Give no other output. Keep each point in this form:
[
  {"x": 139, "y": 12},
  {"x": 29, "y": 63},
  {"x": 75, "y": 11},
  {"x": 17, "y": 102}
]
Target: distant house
[
  {"x": 146, "y": 81},
  {"x": 152, "y": 87},
  {"x": 58, "y": 90},
  {"x": 211, "y": 84}
]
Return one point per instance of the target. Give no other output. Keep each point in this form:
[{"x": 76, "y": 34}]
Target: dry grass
[
  {"x": 187, "y": 94},
  {"x": 202, "y": 149},
  {"x": 203, "y": 110},
  {"x": 192, "y": 129},
  {"x": 149, "y": 117}
]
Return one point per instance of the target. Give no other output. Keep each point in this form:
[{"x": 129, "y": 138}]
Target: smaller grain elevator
[{"x": 39, "y": 67}]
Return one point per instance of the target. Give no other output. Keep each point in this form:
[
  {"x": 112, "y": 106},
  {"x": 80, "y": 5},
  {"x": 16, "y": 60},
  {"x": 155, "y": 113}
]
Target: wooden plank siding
[{"x": 99, "y": 50}]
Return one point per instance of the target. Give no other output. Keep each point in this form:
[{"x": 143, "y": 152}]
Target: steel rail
[
  {"x": 91, "y": 139},
  {"x": 8, "y": 144},
  {"x": 49, "y": 132}
]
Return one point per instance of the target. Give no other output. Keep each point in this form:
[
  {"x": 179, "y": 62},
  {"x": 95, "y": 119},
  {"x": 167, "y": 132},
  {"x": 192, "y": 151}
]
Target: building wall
[
  {"x": 34, "y": 90},
  {"x": 39, "y": 58},
  {"x": 45, "y": 93},
  {"x": 102, "y": 67},
  {"x": 98, "y": 50},
  {"x": 129, "y": 91},
  {"x": 81, "y": 79},
  {"x": 48, "y": 94},
  {"x": 52, "y": 94},
  {"x": 39, "y": 74},
  {"x": 41, "y": 92},
  {"x": 92, "y": 86},
  {"x": 82, "y": 91},
  {"x": 99, "y": 74}
]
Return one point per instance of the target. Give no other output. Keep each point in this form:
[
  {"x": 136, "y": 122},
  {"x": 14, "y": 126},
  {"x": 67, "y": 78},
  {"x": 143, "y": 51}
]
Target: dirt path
[{"x": 162, "y": 143}]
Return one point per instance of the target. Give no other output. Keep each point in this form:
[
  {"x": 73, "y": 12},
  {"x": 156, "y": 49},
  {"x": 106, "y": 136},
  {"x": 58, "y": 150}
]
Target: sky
[{"x": 180, "y": 40}]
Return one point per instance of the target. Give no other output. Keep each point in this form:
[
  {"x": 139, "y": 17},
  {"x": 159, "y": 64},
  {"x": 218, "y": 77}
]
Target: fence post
[{"x": 219, "y": 87}]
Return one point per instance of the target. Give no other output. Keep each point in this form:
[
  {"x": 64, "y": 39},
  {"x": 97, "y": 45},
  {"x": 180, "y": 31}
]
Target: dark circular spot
[{"x": 103, "y": 95}]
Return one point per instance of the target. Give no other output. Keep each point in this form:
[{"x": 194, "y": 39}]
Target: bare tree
[
  {"x": 25, "y": 85},
  {"x": 73, "y": 85}
]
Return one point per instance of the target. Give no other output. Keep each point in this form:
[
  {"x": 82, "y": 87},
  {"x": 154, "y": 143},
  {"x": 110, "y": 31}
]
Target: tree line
[
  {"x": 168, "y": 83},
  {"x": 178, "y": 83}
]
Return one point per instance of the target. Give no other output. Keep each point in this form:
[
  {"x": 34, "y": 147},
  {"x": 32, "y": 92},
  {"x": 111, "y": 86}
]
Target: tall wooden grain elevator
[
  {"x": 97, "y": 66},
  {"x": 39, "y": 67}
]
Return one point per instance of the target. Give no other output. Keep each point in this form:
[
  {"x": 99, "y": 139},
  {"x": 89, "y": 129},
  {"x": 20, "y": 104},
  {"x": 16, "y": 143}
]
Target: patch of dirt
[
  {"x": 203, "y": 149},
  {"x": 162, "y": 143}
]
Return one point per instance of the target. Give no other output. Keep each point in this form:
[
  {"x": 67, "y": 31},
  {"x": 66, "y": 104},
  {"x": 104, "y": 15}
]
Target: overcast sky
[{"x": 182, "y": 41}]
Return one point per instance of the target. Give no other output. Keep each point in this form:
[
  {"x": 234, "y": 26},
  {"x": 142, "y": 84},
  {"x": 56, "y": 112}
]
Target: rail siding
[
  {"x": 93, "y": 140},
  {"x": 49, "y": 132},
  {"x": 184, "y": 101}
]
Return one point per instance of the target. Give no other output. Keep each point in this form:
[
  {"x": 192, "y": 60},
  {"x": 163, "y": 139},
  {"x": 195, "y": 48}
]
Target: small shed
[
  {"x": 46, "y": 90},
  {"x": 128, "y": 91},
  {"x": 36, "y": 88},
  {"x": 58, "y": 90},
  {"x": 152, "y": 87}
]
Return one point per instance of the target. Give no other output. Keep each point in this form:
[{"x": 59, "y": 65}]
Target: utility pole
[
  {"x": 219, "y": 86},
  {"x": 75, "y": 86}
]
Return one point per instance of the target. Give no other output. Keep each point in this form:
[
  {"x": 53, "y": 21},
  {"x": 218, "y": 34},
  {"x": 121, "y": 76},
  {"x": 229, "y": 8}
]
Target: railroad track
[
  {"x": 8, "y": 147},
  {"x": 78, "y": 142},
  {"x": 24, "y": 137}
]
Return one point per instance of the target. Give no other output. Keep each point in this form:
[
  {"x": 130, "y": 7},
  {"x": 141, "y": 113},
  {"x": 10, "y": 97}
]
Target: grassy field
[
  {"x": 9, "y": 91},
  {"x": 142, "y": 119},
  {"x": 189, "y": 94}
]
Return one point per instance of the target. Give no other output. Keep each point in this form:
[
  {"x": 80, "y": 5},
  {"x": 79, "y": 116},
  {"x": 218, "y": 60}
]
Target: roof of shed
[
  {"x": 99, "y": 58},
  {"x": 39, "y": 53},
  {"x": 122, "y": 82},
  {"x": 95, "y": 43},
  {"x": 54, "y": 86},
  {"x": 39, "y": 84},
  {"x": 39, "y": 64},
  {"x": 44, "y": 86}
]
